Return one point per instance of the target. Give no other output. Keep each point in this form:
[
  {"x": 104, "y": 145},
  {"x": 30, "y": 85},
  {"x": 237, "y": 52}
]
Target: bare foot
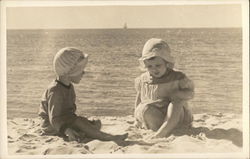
[{"x": 120, "y": 137}]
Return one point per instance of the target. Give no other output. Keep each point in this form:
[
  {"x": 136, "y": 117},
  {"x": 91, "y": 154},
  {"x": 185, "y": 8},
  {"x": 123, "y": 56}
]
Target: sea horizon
[{"x": 123, "y": 28}]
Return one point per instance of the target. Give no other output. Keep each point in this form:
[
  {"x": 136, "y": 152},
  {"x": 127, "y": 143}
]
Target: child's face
[
  {"x": 156, "y": 66},
  {"x": 76, "y": 78}
]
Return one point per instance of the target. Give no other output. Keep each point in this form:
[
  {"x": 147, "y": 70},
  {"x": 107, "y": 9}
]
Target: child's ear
[{"x": 167, "y": 64}]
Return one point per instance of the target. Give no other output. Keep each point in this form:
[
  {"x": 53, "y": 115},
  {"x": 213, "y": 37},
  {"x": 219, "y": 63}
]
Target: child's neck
[{"x": 64, "y": 80}]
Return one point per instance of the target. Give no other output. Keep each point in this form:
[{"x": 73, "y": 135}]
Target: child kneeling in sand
[
  {"x": 162, "y": 93},
  {"x": 57, "y": 108}
]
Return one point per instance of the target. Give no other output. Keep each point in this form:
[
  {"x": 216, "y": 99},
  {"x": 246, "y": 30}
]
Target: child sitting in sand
[
  {"x": 57, "y": 108},
  {"x": 162, "y": 93}
]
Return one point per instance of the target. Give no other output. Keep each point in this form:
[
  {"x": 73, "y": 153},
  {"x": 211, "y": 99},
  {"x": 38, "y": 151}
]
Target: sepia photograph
[{"x": 124, "y": 79}]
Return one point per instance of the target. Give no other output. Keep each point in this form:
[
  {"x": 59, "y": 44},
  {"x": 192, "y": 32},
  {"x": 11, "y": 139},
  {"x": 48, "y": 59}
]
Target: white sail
[{"x": 125, "y": 26}]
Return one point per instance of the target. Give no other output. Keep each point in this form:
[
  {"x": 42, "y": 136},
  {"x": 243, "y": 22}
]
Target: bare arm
[
  {"x": 137, "y": 99},
  {"x": 182, "y": 95},
  {"x": 138, "y": 94},
  {"x": 185, "y": 90}
]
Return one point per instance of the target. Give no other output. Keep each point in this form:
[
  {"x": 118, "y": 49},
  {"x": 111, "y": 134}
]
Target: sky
[{"x": 161, "y": 16}]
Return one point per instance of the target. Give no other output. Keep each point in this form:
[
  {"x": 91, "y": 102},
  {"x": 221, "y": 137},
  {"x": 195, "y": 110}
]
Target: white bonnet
[
  {"x": 157, "y": 47},
  {"x": 66, "y": 60}
]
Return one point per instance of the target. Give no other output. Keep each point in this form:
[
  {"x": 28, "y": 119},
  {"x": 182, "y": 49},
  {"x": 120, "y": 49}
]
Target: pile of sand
[{"x": 209, "y": 133}]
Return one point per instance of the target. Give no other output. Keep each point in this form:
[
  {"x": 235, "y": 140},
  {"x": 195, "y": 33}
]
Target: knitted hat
[
  {"x": 67, "y": 59},
  {"x": 157, "y": 47}
]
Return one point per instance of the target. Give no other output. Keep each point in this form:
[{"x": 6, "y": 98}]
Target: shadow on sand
[{"x": 232, "y": 134}]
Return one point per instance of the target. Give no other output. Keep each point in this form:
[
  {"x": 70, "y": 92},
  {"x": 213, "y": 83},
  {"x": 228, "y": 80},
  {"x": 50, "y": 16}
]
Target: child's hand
[
  {"x": 137, "y": 124},
  {"x": 186, "y": 84},
  {"x": 72, "y": 135}
]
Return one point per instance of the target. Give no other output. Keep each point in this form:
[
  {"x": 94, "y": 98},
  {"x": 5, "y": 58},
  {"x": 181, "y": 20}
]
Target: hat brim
[
  {"x": 169, "y": 59},
  {"x": 84, "y": 61},
  {"x": 147, "y": 57}
]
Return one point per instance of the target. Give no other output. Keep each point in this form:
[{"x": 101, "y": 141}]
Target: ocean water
[{"x": 212, "y": 58}]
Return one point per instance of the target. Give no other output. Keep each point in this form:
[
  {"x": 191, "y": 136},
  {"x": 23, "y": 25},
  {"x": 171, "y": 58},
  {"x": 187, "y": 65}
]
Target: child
[
  {"x": 162, "y": 93},
  {"x": 57, "y": 109}
]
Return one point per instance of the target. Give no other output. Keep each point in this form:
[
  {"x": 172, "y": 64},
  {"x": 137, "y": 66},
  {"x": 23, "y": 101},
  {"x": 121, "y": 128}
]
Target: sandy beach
[{"x": 210, "y": 133}]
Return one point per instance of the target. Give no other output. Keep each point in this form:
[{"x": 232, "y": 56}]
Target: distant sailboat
[{"x": 125, "y": 26}]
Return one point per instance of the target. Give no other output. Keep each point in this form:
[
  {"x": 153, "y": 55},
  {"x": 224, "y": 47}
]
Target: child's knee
[{"x": 96, "y": 123}]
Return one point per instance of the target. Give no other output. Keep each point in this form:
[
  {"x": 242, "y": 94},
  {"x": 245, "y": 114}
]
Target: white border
[
  {"x": 245, "y": 68},
  {"x": 3, "y": 85},
  {"x": 245, "y": 73},
  {"x": 135, "y": 156},
  {"x": 29, "y": 3}
]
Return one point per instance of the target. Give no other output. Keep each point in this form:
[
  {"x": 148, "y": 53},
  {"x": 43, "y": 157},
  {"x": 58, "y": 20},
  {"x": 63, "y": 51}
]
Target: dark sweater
[{"x": 58, "y": 106}]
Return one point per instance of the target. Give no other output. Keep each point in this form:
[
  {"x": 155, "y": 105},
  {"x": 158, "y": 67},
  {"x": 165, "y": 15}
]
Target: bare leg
[
  {"x": 153, "y": 117},
  {"x": 84, "y": 125},
  {"x": 175, "y": 115},
  {"x": 188, "y": 116}
]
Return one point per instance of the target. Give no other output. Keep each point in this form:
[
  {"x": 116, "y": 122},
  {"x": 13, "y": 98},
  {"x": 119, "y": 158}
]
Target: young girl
[
  {"x": 57, "y": 108},
  {"x": 162, "y": 93}
]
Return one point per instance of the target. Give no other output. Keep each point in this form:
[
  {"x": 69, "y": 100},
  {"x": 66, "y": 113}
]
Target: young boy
[
  {"x": 57, "y": 108},
  {"x": 162, "y": 93}
]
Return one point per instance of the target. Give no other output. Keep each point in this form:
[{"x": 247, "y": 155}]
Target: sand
[{"x": 210, "y": 133}]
